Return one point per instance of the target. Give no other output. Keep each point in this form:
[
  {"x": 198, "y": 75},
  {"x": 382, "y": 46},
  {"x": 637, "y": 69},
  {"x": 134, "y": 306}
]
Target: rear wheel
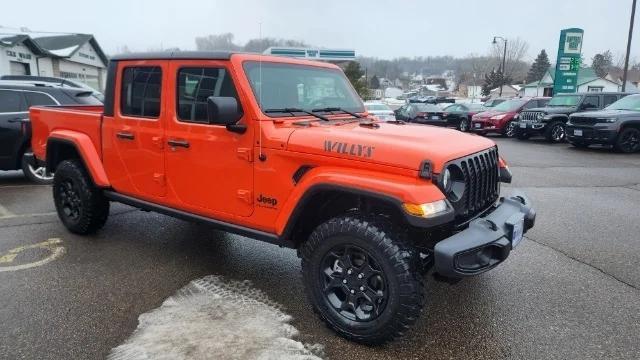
[
  {"x": 362, "y": 278},
  {"x": 628, "y": 141},
  {"x": 34, "y": 172},
  {"x": 81, "y": 206},
  {"x": 464, "y": 125},
  {"x": 510, "y": 129},
  {"x": 555, "y": 132}
]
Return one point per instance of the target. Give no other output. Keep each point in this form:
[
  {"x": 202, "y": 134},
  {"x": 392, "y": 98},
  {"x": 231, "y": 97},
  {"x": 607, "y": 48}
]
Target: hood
[
  {"x": 403, "y": 146},
  {"x": 608, "y": 113},
  {"x": 489, "y": 113},
  {"x": 554, "y": 109}
]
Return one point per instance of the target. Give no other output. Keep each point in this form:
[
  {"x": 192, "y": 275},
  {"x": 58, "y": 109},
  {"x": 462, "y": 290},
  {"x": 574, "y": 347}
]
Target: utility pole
[
  {"x": 504, "y": 57},
  {"x": 626, "y": 59}
]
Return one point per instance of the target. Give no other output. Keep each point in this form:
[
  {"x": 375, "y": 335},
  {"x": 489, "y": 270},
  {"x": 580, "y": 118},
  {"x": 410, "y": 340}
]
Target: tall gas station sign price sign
[{"x": 568, "y": 61}]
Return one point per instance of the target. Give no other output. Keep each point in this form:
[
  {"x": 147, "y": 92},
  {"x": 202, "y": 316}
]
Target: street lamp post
[
  {"x": 504, "y": 57},
  {"x": 626, "y": 58}
]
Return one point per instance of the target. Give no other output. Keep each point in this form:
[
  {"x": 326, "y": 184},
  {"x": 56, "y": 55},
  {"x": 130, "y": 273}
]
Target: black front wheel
[
  {"x": 362, "y": 278},
  {"x": 628, "y": 141},
  {"x": 81, "y": 206}
]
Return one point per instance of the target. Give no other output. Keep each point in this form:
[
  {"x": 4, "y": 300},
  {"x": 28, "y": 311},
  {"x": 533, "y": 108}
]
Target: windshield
[
  {"x": 510, "y": 105},
  {"x": 475, "y": 107},
  {"x": 564, "y": 100},
  {"x": 626, "y": 103},
  {"x": 494, "y": 102},
  {"x": 377, "y": 107},
  {"x": 300, "y": 86}
]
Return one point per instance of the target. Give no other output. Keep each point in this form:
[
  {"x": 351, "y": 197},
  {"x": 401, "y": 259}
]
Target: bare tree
[{"x": 514, "y": 68}]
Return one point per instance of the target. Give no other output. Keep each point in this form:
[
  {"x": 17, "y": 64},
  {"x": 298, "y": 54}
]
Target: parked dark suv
[
  {"x": 617, "y": 125},
  {"x": 551, "y": 120},
  {"x": 15, "y": 127}
]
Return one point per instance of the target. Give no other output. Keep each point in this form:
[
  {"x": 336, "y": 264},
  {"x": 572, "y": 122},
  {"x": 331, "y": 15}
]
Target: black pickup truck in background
[
  {"x": 617, "y": 125},
  {"x": 551, "y": 121}
]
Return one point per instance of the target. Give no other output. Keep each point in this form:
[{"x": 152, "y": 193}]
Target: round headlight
[
  {"x": 446, "y": 180},
  {"x": 540, "y": 116}
]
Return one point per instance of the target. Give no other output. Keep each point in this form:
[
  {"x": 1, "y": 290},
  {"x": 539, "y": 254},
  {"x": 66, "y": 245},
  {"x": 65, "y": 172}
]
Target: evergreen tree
[
  {"x": 493, "y": 80},
  {"x": 539, "y": 67},
  {"x": 374, "y": 83},
  {"x": 354, "y": 73},
  {"x": 601, "y": 63}
]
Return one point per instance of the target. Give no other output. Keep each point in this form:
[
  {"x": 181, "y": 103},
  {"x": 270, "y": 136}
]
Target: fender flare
[
  {"x": 85, "y": 148},
  {"x": 393, "y": 189}
]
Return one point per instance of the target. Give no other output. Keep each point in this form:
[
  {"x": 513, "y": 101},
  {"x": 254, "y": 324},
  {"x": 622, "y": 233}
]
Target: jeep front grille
[
  {"x": 531, "y": 116},
  {"x": 578, "y": 120},
  {"x": 481, "y": 179}
]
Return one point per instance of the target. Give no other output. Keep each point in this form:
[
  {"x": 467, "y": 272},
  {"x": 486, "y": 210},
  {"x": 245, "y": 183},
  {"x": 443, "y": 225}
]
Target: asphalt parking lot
[{"x": 571, "y": 290}]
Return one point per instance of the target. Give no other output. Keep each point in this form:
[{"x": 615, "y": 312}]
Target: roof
[
  {"x": 585, "y": 75},
  {"x": 51, "y": 44},
  {"x": 167, "y": 55}
]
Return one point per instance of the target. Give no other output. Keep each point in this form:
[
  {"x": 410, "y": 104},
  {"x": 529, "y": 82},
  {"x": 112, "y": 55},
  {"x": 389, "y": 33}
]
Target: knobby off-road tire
[
  {"x": 362, "y": 278},
  {"x": 81, "y": 206}
]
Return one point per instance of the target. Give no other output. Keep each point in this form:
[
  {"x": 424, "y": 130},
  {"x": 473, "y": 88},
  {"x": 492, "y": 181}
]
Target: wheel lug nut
[
  {"x": 353, "y": 291},
  {"x": 361, "y": 288},
  {"x": 360, "y": 276},
  {"x": 344, "y": 281},
  {"x": 349, "y": 271}
]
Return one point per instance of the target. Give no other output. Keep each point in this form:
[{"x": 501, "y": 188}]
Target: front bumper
[
  {"x": 483, "y": 127},
  {"x": 486, "y": 242},
  {"x": 530, "y": 127},
  {"x": 602, "y": 134}
]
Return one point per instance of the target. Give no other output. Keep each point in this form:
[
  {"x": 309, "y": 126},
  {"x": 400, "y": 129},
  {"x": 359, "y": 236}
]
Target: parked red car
[{"x": 500, "y": 119}]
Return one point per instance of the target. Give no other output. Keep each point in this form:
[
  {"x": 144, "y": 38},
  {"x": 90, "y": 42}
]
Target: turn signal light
[{"x": 426, "y": 210}]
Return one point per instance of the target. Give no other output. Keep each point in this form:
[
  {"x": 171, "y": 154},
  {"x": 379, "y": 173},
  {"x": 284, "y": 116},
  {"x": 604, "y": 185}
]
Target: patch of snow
[
  {"x": 64, "y": 52},
  {"x": 212, "y": 318}
]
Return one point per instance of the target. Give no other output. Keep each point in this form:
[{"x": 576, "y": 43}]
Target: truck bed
[{"x": 78, "y": 118}]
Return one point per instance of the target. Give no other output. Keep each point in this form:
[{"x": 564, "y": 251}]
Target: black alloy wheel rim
[
  {"x": 354, "y": 286},
  {"x": 557, "y": 133},
  {"x": 70, "y": 202},
  {"x": 511, "y": 129},
  {"x": 630, "y": 141}
]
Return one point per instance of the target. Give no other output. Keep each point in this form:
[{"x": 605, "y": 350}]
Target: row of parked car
[{"x": 583, "y": 119}]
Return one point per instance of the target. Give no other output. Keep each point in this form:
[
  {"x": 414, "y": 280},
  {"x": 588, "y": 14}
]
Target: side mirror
[{"x": 223, "y": 110}]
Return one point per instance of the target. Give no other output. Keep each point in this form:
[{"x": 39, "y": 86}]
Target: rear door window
[
  {"x": 591, "y": 102},
  {"x": 39, "y": 99},
  {"x": 12, "y": 101},
  {"x": 141, "y": 90}
]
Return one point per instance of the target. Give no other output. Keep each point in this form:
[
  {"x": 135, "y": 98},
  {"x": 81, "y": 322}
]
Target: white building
[
  {"x": 75, "y": 57},
  {"x": 587, "y": 81}
]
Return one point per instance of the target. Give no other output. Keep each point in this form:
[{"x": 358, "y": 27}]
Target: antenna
[{"x": 261, "y": 156}]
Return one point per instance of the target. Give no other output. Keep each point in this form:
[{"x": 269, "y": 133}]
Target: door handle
[
  {"x": 19, "y": 120},
  {"x": 125, "y": 136},
  {"x": 178, "y": 143}
]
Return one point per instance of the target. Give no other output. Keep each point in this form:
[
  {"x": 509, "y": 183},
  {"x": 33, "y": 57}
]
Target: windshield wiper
[
  {"x": 332, "y": 109},
  {"x": 292, "y": 111}
]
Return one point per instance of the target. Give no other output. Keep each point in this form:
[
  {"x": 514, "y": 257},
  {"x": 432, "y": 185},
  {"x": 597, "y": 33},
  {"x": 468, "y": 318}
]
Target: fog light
[{"x": 426, "y": 210}]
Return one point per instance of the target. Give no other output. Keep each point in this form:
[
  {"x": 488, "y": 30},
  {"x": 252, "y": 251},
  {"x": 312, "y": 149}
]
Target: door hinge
[
  {"x": 246, "y": 196},
  {"x": 245, "y": 154},
  {"x": 158, "y": 141},
  {"x": 159, "y": 178}
]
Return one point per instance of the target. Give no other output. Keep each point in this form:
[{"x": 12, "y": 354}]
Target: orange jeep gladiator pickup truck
[{"x": 282, "y": 150}]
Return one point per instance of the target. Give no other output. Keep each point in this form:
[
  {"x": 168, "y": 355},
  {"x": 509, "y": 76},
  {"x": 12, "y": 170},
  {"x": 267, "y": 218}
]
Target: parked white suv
[{"x": 380, "y": 110}]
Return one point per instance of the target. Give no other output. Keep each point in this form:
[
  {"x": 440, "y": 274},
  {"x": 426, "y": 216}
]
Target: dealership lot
[{"x": 572, "y": 290}]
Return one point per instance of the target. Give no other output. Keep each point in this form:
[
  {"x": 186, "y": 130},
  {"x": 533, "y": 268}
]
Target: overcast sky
[{"x": 380, "y": 28}]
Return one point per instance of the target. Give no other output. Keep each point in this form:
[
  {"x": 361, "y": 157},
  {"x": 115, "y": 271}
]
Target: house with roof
[
  {"x": 75, "y": 57},
  {"x": 587, "y": 81},
  {"x": 633, "y": 78}
]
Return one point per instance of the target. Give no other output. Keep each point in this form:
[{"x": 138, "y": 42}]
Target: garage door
[{"x": 19, "y": 68}]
